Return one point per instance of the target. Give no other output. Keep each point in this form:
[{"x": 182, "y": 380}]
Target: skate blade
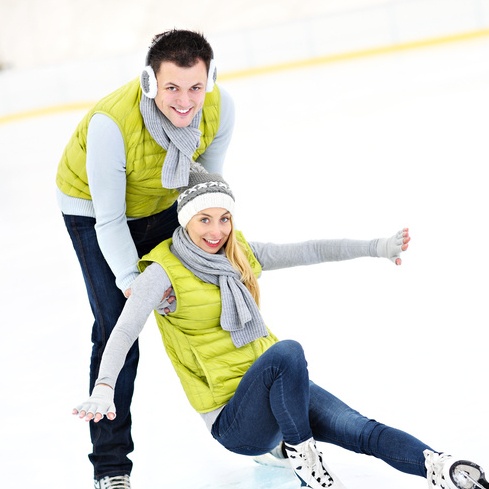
[{"x": 468, "y": 475}]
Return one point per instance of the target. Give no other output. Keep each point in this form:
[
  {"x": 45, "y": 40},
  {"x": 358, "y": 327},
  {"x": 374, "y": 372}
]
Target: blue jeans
[
  {"x": 276, "y": 401},
  {"x": 112, "y": 440}
]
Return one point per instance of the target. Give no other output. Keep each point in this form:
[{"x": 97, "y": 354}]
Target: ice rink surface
[{"x": 354, "y": 149}]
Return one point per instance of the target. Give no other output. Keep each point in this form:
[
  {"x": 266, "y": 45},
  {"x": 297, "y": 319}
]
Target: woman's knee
[{"x": 291, "y": 352}]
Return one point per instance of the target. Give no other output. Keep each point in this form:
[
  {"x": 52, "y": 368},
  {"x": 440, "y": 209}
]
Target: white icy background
[{"x": 355, "y": 149}]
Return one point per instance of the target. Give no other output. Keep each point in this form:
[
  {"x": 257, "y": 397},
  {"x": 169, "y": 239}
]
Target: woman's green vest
[
  {"x": 144, "y": 156},
  {"x": 208, "y": 364}
]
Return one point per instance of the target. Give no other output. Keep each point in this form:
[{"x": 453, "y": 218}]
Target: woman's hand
[
  {"x": 167, "y": 300},
  {"x": 98, "y": 405},
  {"x": 392, "y": 247}
]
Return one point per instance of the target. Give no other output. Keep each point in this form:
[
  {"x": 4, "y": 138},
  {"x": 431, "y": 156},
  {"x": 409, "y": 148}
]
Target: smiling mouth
[
  {"x": 212, "y": 242},
  {"x": 183, "y": 111}
]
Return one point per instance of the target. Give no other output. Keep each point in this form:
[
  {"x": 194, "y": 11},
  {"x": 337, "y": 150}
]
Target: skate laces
[
  {"x": 308, "y": 464},
  {"x": 115, "y": 482},
  {"x": 434, "y": 464},
  {"x": 313, "y": 458}
]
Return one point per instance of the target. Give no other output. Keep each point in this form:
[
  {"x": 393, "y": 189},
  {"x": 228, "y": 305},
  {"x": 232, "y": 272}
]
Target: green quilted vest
[
  {"x": 144, "y": 156},
  {"x": 208, "y": 364}
]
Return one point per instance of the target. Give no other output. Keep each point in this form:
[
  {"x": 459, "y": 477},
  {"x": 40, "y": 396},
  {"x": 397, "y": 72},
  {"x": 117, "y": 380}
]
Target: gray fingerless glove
[
  {"x": 101, "y": 401},
  {"x": 172, "y": 306},
  {"x": 391, "y": 247}
]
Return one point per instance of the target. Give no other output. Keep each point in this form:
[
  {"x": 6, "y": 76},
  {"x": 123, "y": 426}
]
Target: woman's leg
[
  {"x": 333, "y": 421},
  {"x": 270, "y": 403}
]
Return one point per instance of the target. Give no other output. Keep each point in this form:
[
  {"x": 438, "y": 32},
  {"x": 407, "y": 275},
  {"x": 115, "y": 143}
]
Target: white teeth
[
  {"x": 181, "y": 111},
  {"x": 212, "y": 241}
]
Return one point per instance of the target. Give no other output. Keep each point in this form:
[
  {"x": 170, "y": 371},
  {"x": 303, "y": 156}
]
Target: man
[{"x": 118, "y": 181}]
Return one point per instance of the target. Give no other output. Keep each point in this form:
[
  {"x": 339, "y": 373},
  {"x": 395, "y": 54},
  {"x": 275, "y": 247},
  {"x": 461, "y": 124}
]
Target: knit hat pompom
[{"x": 204, "y": 190}]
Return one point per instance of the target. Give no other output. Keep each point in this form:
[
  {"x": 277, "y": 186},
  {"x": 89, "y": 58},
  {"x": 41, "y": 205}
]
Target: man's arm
[{"x": 106, "y": 170}]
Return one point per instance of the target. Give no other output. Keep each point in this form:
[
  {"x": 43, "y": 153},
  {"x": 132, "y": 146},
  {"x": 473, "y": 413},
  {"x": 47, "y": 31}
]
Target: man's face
[{"x": 181, "y": 91}]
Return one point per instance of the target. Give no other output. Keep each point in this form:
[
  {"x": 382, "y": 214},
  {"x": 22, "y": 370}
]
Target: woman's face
[
  {"x": 181, "y": 91},
  {"x": 210, "y": 229}
]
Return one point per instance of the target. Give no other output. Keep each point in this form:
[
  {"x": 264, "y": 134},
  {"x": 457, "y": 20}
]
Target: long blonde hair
[{"x": 236, "y": 255}]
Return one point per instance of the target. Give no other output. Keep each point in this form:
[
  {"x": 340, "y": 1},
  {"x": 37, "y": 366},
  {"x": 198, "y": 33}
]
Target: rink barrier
[{"x": 275, "y": 68}]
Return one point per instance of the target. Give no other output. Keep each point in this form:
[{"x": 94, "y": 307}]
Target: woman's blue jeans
[
  {"x": 112, "y": 440},
  {"x": 276, "y": 401}
]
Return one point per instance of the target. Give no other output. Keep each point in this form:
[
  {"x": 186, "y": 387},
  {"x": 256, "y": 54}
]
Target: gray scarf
[
  {"x": 239, "y": 315},
  {"x": 179, "y": 142}
]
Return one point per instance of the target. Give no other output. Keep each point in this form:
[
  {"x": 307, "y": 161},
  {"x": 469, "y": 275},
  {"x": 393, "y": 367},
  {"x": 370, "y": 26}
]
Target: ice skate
[
  {"x": 446, "y": 472},
  {"x": 115, "y": 482},
  {"x": 274, "y": 458},
  {"x": 307, "y": 462}
]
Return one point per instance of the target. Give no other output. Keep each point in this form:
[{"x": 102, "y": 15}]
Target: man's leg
[{"x": 111, "y": 440}]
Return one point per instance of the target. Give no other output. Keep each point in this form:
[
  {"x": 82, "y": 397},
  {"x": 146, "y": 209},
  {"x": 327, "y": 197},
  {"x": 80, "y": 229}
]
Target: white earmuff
[
  {"x": 211, "y": 77},
  {"x": 149, "y": 85}
]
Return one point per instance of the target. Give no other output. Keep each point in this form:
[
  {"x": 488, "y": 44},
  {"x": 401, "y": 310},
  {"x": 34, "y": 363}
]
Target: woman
[{"x": 231, "y": 365}]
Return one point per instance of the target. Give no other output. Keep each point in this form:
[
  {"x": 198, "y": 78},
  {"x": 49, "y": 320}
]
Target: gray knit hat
[{"x": 204, "y": 190}]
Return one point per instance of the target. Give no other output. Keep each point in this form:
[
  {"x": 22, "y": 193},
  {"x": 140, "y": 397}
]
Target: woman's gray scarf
[
  {"x": 239, "y": 315},
  {"x": 179, "y": 142}
]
